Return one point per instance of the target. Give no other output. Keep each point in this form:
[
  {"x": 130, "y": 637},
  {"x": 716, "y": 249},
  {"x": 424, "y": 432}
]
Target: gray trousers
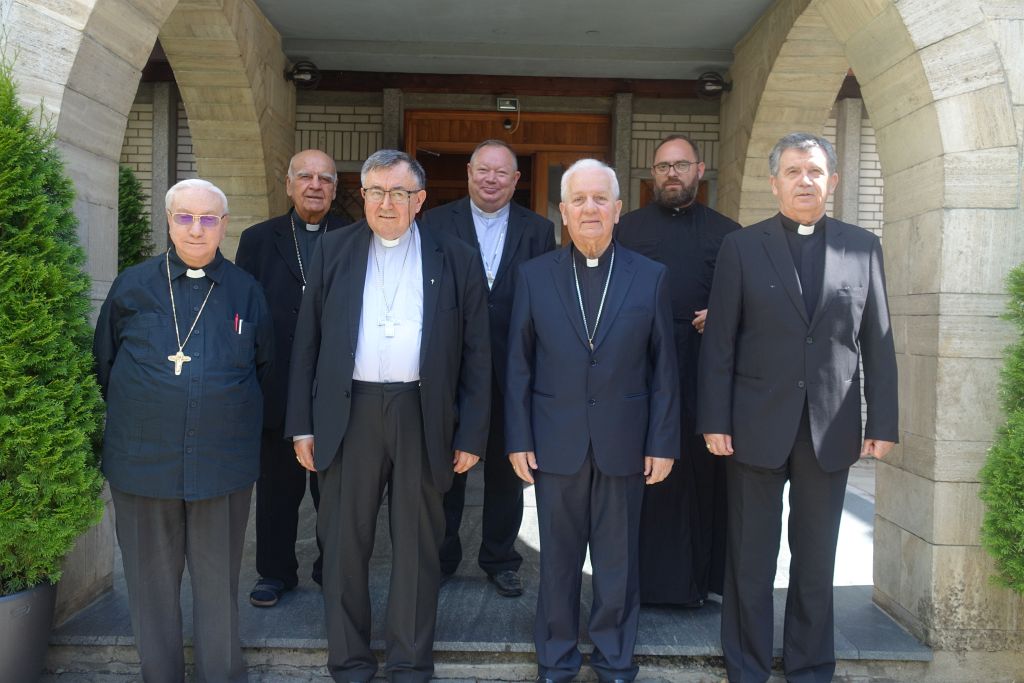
[
  {"x": 157, "y": 536},
  {"x": 383, "y": 448}
]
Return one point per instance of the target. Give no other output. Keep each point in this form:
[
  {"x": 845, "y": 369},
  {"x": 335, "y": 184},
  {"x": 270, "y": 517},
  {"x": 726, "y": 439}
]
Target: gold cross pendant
[{"x": 178, "y": 358}]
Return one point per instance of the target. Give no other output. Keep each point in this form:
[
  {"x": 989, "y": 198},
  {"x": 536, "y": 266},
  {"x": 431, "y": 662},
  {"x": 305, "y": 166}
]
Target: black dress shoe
[{"x": 507, "y": 583}]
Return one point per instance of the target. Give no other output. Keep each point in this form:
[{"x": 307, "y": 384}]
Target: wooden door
[{"x": 548, "y": 168}]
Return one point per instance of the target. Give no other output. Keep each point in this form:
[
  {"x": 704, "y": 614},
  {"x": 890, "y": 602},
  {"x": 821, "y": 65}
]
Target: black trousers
[
  {"x": 754, "y": 532},
  {"x": 574, "y": 511},
  {"x": 157, "y": 536},
  {"x": 279, "y": 492},
  {"x": 383, "y": 447},
  {"x": 502, "y": 509}
]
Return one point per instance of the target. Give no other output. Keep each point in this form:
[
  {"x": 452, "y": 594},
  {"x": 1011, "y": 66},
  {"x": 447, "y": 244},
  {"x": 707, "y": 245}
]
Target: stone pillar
[
  {"x": 165, "y": 146},
  {"x": 622, "y": 147},
  {"x": 848, "y": 121},
  {"x": 392, "y": 113}
]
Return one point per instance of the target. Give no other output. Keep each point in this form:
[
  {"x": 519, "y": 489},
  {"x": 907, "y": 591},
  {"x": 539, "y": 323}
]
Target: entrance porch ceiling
[{"x": 675, "y": 39}]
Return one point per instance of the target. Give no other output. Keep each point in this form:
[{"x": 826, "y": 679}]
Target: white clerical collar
[
  {"x": 503, "y": 211},
  {"x": 804, "y": 229},
  {"x": 195, "y": 273},
  {"x": 312, "y": 227},
  {"x": 391, "y": 244}
]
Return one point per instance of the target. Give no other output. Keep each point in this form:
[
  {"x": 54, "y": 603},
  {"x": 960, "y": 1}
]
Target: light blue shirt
[{"x": 491, "y": 230}]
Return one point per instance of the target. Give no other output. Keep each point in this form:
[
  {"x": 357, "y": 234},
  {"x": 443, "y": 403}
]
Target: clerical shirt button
[
  {"x": 593, "y": 361},
  {"x": 191, "y": 432},
  {"x": 592, "y": 402},
  {"x": 195, "y": 308},
  {"x": 195, "y": 286},
  {"x": 188, "y": 450},
  {"x": 193, "y": 403},
  {"x": 810, "y": 340},
  {"x": 800, "y": 384}
]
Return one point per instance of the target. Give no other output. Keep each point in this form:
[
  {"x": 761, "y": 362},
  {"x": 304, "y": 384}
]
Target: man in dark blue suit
[
  {"x": 505, "y": 234},
  {"x": 591, "y": 414}
]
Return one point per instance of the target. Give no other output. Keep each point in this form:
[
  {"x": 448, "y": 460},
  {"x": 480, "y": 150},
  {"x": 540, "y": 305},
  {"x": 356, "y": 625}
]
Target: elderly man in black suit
[
  {"x": 389, "y": 387},
  {"x": 277, "y": 253},
  {"x": 798, "y": 305},
  {"x": 592, "y": 414},
  {"x": 505, "y": 234}
]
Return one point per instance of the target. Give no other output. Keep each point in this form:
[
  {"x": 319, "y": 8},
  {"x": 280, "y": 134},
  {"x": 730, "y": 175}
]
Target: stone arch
[
  {"x": 943, "y": 83},
  {"x": 83, "y": 62}
]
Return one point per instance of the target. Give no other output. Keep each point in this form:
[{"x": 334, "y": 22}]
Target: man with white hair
[
  {"x": 182, "y": 342},
  {"x": 592, "y": 415}
]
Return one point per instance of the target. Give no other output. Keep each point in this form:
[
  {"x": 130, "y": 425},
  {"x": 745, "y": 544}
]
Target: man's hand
[
  {"x": 719, "y": 444},
  {"x": 464, "y": 461},
  {"x": 304, "y": 453},
  {"x": 656, "y": 469},
  {"x": 698, "y": 319},
  {"x": 876, "y": 448},
  {"x": 522, "y": 463}
]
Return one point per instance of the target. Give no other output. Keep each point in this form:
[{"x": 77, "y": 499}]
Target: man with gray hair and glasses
[
  {"x": 389, "y": 388},
  {"x": 182, "y": 343},
  {"x": 797, "y": 307}
]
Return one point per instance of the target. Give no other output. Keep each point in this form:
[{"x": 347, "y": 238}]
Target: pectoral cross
[
  {"x": 178, "y": 358},
  {"x": 389, "y": 325}
]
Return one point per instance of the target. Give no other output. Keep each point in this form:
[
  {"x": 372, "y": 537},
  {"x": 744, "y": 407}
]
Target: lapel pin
[{"x": 431, "y": 280}]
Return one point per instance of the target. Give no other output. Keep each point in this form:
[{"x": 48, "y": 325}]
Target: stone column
[
  {"x": 848, "y": 120},
  {"x": 165, "y": 146},
  {"x": 392, "y": 114},
  {"x": 622, "y": 137}
]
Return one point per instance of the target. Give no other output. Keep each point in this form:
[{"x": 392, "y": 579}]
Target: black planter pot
[{"x": 25, "y": 622}]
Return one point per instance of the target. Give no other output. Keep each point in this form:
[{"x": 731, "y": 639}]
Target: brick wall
[
  {"x": 869, "y": 197},
  {"x": 650, "y": 129},
  {"x": 346, "y": 133},
  {"x": 185, "y": 166},
  {"x": 137, "y": 148}
]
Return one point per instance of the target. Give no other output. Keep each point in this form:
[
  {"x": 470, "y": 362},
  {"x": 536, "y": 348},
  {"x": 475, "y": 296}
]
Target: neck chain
[
  {"x": 600, "y": 307},
  {"x": 298, "y": 256},
  {"x": 180, "y": 357},
  {"x": 388, "y": 322},
  {"x": 489, "y": 266}
]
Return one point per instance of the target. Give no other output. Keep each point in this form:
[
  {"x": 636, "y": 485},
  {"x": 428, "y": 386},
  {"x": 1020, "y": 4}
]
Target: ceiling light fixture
[{"x": 304, "y": 74}]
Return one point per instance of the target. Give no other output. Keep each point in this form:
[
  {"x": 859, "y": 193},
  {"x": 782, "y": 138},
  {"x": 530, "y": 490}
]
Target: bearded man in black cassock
[{"x": 683, "y": 558}]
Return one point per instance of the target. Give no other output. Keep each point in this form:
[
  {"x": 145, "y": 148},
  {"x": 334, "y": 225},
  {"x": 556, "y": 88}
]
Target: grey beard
[{"x": 675, "y": 199}]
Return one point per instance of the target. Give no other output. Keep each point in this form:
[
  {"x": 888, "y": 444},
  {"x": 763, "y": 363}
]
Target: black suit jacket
[
  {"x": 622, "y": 397},
  {"x": 455, "y": 360},
  {"x": 762, "y": 358},
  {"x": 267, "y": 252},
  {"x": 529, "y": 235}
]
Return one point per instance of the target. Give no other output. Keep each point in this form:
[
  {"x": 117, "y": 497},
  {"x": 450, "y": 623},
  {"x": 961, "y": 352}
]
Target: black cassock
[{"x": 682, "y": 532}]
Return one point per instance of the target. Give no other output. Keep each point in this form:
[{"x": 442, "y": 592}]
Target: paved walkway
[{"x": 473, "y": 618}]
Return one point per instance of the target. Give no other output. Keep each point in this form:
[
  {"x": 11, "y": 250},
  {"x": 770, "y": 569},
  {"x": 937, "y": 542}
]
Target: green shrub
[
  {"x": 134, "y": 243},
  {"x": 51, "y": 408},
  {"x": 1002, "y": 477}
]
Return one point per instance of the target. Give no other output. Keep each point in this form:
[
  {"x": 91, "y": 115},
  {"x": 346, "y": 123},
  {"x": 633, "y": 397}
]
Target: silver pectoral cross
[
  {"x": 178, "y": 358},
  {"x": 389, "y": 325}
]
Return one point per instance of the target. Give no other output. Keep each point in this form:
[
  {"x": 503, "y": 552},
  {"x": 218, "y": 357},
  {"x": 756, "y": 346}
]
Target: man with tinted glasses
[
  {"x": 505, "y": 235},
  {"x": 277, "y": 253},
  {"x": 181, "y": 343},
  {"x": 389, "y": 387},
  {"x": 681, "y": 562}
]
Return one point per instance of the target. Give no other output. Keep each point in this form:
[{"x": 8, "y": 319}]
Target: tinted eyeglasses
[{"x": 187, "y": 220}]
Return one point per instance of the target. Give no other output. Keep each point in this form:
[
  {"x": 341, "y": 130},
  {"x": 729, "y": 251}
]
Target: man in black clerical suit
[
  {"x": 798, "y": 305},
  {"x": 681, "y": 562},
  {"x": 592, "y": 413},
  {"x": 505, "y": 234},
  {"x": 390, "y": 378},
  {"x": 277, "y": 253}
]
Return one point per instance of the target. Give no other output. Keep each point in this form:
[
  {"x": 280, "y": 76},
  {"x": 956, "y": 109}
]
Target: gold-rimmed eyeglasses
[{"x": 187, "y": 220}]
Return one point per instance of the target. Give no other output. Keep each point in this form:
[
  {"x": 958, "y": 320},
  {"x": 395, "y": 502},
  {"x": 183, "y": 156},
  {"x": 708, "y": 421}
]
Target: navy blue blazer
[
  {"x": 529, "y": 235},
  {"x": 622, "y": 398}
]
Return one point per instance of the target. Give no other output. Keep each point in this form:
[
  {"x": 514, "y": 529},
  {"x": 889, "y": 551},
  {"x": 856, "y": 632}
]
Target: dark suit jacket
[
  {"x": 267, "y": 252},
  {"x": 455, "y": 360},
  {"x": 529, "y": 235},
  {"x": 622, "y": 397},
  {"x": 762, "y": 358}
]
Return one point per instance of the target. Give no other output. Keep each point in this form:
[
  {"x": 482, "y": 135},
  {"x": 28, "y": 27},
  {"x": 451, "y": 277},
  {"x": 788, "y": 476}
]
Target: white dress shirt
[
  {"x": 491, "y": 230},
  {"x": 391, "y": 324}
]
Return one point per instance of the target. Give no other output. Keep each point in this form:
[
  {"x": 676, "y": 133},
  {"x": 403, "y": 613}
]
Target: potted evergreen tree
[
  {"x": 51, "y": 408},
  {"x": 1002, "y": 477}
]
